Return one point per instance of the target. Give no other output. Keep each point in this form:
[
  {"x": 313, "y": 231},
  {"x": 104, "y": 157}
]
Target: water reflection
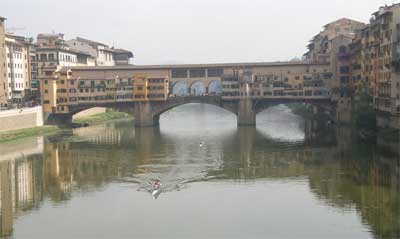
[{"x": 342, "y": 174}]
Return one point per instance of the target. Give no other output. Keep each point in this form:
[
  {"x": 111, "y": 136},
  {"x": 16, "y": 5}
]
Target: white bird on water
[{"x": 156, "y": 193}]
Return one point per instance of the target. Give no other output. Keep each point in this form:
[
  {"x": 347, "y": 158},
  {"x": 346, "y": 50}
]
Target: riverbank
[
  {"x": 100, "y": 118},
  {"x": 30, "y": 132},
  {"x": 13, "y": 135}
]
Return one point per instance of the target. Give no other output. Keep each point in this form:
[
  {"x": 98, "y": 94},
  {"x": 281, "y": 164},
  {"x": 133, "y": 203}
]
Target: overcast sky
[{"x": 189, "y": 31}]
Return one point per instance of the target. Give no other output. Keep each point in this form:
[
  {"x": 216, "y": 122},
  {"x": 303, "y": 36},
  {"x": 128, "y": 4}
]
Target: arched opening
[
  {"x": 215, "y": 87},
  {"x": 89, "y": 112},
  {"x": 197, "y": 88},
  {"x": 180, "y": 88},
  {"x": 279, "y": 122},
  {"x": 95, "y": 115},
  {"x": 191, "y": 117}
]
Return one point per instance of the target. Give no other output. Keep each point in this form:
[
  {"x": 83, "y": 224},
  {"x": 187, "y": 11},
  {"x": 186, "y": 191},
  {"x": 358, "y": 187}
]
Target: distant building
[
  {"x": 319, "y": 49},
  {"x": 18, "y": 68},
  {"x": 35, "y": 94},
  {"x": 3, "y": 65},
  {"x": 342, "y": 86},
  {"x": 51, "y": 40},
  {"x": 122, "y": 57},
  {"x": 53, "y": 53},
  {"x": 383, "y": 36},
  {"x": 104, "y": 55}
]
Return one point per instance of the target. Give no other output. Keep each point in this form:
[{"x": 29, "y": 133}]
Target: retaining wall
[{"x": 21, "y": 118}]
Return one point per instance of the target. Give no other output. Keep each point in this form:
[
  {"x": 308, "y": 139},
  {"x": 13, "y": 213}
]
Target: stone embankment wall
[{"x": 21, "y": 118}]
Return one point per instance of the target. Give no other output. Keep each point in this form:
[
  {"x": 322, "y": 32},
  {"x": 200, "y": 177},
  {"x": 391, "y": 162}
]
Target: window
[
  {"x": 215, "y": 72},
  {"x": 179, "y": 73},
  {"x": 195, "y": 73},
  {"x": 344, "y": 69},
  {"x": 51, "y": 57},
  {"x": 43, "y": 57},
  {"x": 342, "y": 49}
]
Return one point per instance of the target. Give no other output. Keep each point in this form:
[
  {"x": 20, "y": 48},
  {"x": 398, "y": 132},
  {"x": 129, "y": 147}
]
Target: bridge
[{"x": 146, "y": 92}]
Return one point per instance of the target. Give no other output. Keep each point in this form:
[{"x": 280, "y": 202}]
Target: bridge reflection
[{"x": 339, "y": 175}]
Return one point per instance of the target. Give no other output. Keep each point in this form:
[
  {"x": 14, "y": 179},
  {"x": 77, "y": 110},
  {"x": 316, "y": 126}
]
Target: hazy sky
[{"x": 189, "y": 31}]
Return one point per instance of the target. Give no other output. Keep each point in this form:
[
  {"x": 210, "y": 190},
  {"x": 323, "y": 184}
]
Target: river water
[{"x": 287, "y": 178}]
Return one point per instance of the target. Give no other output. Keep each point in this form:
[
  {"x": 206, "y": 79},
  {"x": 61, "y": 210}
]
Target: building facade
[
  {"x": 385, "y": 55},
  {"x": 3, "y": 65},
  {"x": 373, "y": 64},
  {"x": 319, "y": 48},
  {"x": 104, "y": 55},
  {"x": 18, "y": 68}
]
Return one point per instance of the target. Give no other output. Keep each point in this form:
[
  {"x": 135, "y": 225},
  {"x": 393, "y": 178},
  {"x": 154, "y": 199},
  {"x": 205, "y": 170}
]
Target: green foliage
[
  {"x": 25, "y": 133},
  {"x": 103, "y": 117}
]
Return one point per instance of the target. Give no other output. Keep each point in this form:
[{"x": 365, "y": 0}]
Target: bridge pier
[
  {"x": 344, "y": 112},
  {"x": 246, "y": 113},
  {"x": 57, "y": 119},
  {"x": 144, "y": 115}
]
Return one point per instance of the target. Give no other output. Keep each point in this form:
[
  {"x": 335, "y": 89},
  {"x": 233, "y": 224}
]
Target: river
[{"x": 199, "y": 176}]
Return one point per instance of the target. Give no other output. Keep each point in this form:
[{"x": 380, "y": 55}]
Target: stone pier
[
  {"x": 144, "y": 115},
  {"x": 59, "y": 119},
  {"x": 246, "y": 113}
]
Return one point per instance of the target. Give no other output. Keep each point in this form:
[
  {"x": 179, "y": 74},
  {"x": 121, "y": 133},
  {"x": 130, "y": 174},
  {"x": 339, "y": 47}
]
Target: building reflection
[{"x": 340, "y": 173}]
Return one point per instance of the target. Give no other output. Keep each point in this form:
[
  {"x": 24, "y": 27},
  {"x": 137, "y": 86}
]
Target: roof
[
  {"x": 122, "y": 51},
  {"x": 90, "y": 41},
  {"x": 62, "y": 49},
  {"x": 212, "y": 65},
  {"x": 344, "y": 19},
  {"x": 50, "y": 35},
  {"x": 384, "y": 9}
]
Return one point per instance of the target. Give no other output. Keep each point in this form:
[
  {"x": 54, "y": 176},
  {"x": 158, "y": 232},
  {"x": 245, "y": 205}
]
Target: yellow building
[{"x": 68, "y": 88}]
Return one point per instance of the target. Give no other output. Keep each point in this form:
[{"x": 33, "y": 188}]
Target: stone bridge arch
[
  {"x": 148, "y": 113},
  {"x": 215, "y": 101},
  {"x": 318, "y": 105},
  {"x": 67, "y": 118}
]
